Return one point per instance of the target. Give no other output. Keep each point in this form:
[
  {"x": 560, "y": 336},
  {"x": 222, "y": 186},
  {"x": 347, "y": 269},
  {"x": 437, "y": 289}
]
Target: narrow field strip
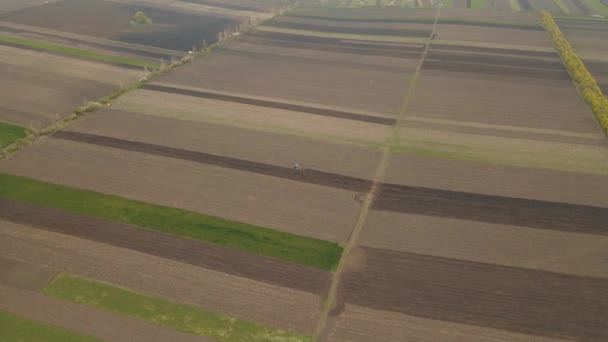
[
  {"x": 249, "y": 238},
  {"x": 10, "y": 133},
  {"x": 598, "y": 6},
  {"x": 562, "y": 6},
  {"x": 476, "y": 4},
  {"x": 271, "y": 104},
  {"x": 13, "y": 328},
  {"x": 168, "y": 246},
  {"x": 492, "y": 209},
  {"x": 77, "y": 52},
  {"x": 163, "y": 312},
  {"x": 305, "y": 175},
  {"x": 375, "y": 38}
]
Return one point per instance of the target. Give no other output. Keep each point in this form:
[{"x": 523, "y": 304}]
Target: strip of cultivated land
[
  {"x": 159, "y": 311},
  {"x": 249, "y": 238},
  {"x": 11, "y": 133},
  {"x": 230, "y": 295},
  {"x": 19, "y": 329}
]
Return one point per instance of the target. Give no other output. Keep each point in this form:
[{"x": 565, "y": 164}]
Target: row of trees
[{"x": 578, "y": 71}]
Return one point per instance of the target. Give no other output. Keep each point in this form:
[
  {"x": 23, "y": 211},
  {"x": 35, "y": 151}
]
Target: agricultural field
[{"x": 333, "y": 174}]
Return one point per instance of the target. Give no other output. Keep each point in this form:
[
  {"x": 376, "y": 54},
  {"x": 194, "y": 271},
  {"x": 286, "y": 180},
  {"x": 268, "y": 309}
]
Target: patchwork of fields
[{"x": 334, "y": 174}]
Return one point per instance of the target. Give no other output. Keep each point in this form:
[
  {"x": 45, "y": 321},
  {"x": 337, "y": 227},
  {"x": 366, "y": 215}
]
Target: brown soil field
[
  {"x": 326, "y": 44},
  {"x": 245, "y": 5},
  {"x": 371, "y": 13},
  {"x": 271, "y": 149},
  {"x": 23, "y": 275},
  {"x": 197, "y": 253},
  {"x": 501, "y": 5},
  {"x": 265, "y": 119},
  {"x": 541, "y": 249},
  {"x": 490, "y": 100},
  {"x": 461, "y": 3},
  {"x": 465, "y": 176},
  {"x": 234, "y": 296},
  {"x": 270, "y": 104},
  {"x": 492, "y": 209},
  {"x": 39, "y": 88},
  {"x": 306, "y": 53},
  {"x": 296, "y": 207},
  {"x": 86, "y": 320},
  {"x": 489, "y": 15},
  {"x": 578, "y": 6},
  {"x": 514, "y": 299},
  {"x": 361, "y": 324},
  {"x": 588, "y": 38},
  {"x": 306, "y": 175},
  {"x": 104, "y": 19},
  {"x": 315, "y": 83},
  {"x": 497, "y": 35},
  {"x": 16, "y": 5},
  {"x": 358, "y": 27}
]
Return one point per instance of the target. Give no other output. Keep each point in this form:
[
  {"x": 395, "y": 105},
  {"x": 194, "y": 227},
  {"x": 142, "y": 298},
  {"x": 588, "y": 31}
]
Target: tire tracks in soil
[{"x": 330, "y": 301}]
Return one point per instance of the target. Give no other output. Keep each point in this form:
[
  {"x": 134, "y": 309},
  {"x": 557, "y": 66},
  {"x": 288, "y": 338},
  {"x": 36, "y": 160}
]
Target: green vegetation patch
[
  {"x": 598, "y": 6},
  {"x": 478, "y": 4},
  {"x": 11, "y": 133},
  {"x": 141, "y": 18},
  {"x": 159, "y": 311},
  {"x": 77, "y": 52},
  {"x": 13, "y": 328},
  {"x": 249, "y": 238}
]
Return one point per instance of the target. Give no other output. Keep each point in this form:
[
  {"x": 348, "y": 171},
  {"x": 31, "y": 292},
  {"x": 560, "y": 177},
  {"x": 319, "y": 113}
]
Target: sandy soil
[
  {"x": 296, "y": 207},
  {"x": 361, "y": 324},
  {"x": 215, "y": 291},
  {"x": 231, "y": 114},
  {"x": 555, "y": 251},
  {"x": 86, "y": 320},
  {"x": 547, "y": 185},
  {"x": 515, "y": 299},
  {"x": 273, "y": 149},
  {"x": 315, "y": 83},
  {"x": 491, "y": 100}
]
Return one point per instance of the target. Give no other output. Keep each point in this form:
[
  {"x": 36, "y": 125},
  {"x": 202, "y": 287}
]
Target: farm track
[
  {"x": 271, "y": 104},
  {"x": 197, "y": 253},
  {"x": 353, "y": 30},
  {"x": 305, "y": 175},
  {"x": 493, "y": 209},
  {"x": 514, "y": 299}
]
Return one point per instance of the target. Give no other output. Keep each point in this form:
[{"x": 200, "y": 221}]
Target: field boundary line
[
  {"x": 93, "y": 106},
  {"x": 369, "y": 198}
]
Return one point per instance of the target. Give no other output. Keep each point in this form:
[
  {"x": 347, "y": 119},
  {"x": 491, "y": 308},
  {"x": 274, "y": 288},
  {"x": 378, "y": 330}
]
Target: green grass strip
[
  {"x": 598, "y": 6},
  {"x": 11, "y": 133},
  {"x": 77, "y": 52},
  {"x": 562, "y": 6},
  {"x": 245, "y": 237},
  {"x": 159, "y": 311},
  {"x": 478, "y": 4},
  {"x": 16, "y": 329}
]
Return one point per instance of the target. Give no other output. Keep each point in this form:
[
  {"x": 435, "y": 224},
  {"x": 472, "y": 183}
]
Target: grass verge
[
  {"x": 77, "y": 52},
  {"x": 11, "y": 133},
  {"x": 598, "y": 6},
  {"x": 245, "y": 237},
  {"x": 159, "y": 311},
  {"x": 478, "y": 4},
  {"x": 13, "y": 328},
  {"x": 562, "y": 6}
]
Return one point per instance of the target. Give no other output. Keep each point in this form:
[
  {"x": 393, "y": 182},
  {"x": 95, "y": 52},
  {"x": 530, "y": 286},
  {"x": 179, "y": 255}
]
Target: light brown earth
[
  {"x": 39, "y": 88},
  {"x": 267, "y": 148},
  {"x": 183, "y": 283},
  {"x": 538, "y": 184},
  {"x": 367, "y": 90},
  {"x": 541, "y": 249},
  {"x": 16, "y": 5},
  {"x": 484, "y": 34},
  {"x": 361, "y": 324},
  {"x": 244, "y": 116},
  {"x": 286, "y": 205},
  {"x": 489, "y": 16},
  {"x": 23, "y": 275}
]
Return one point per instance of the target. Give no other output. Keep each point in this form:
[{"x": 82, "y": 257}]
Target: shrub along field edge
[
  {"x": 579, "y": 73},
  {"x": 159, "y": 311},
  {"x": 241, "y": 236}
]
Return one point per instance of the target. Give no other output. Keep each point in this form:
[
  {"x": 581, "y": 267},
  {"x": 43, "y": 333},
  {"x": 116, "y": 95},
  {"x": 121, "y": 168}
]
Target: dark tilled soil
[
  {"x": 237, "y": 5},
  {"x": 490, "y": 69},
  {"x": 492, "y": 209},
  {"x": 354, "y": 30},
  {"x": 198, "y": 253},
  {"x": 302, "y": 175},
  {"x": 525, "y": 5},
  {"x": 511, "y": 61},
  {"x": 271, "y": 104},
  {"x": 515, "y": 299}
]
